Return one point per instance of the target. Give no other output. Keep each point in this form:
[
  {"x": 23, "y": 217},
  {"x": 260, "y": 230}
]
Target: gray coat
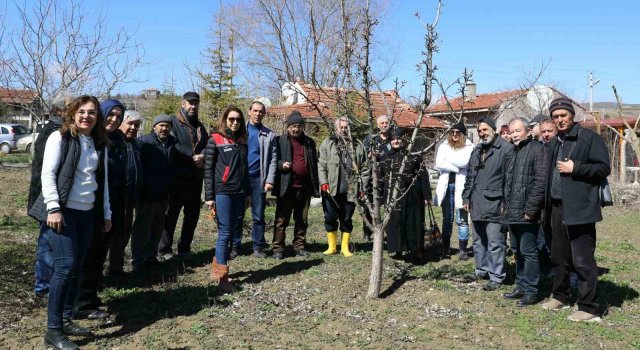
[
  {"x": 483, "y": 187},
  {"x": 267, "y": 169}
]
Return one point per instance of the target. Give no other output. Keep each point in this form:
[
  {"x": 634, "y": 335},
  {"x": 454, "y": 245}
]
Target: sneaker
[
  {"x": 491, "y": 285},
  {"x": 233, "y": 253},
  {"x": 278, "y": 255},
  {"x": 303, "y": 253},
  {"x": 165, "y": 257},
  {"x": 259, "y": 253},
  {"x": 554, "y": 304},
  {"x": 583, "y": 316}
]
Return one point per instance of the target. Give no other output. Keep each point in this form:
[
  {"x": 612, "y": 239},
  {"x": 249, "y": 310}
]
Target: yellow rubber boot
[
  {"x": 332, "y": 238},
  {"x": 344, "y": 247}
]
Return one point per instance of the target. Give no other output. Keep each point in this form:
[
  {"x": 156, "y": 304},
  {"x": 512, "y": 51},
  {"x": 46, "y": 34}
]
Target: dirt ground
[{"x": 318, "y": 302}]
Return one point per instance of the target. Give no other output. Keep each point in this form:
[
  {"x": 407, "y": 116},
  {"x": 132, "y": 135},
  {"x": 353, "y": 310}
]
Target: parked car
[
  {"x": 25, "y": 142},
  {"x": 9, "y": 135}
]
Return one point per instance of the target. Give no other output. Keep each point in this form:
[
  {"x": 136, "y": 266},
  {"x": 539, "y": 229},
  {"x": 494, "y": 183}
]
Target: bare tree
[
  {"x": 58, "y": 46},
  {"x": 630, "y": 133}
]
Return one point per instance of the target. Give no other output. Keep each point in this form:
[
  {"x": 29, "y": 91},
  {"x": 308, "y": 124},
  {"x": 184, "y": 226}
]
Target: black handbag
[
  {"x": 604, "y": 192},
  {"x": 432, "y": 234}
]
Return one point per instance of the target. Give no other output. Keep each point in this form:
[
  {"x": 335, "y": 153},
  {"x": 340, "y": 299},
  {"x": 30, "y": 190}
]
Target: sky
[{"x": 502, "y": 41}]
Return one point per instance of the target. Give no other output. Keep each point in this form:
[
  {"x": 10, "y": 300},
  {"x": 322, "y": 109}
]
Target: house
[
  {"x": 13, "y": 102},
  {"x": 501, "y": 106},
  {"x": 312, "y": 102}
]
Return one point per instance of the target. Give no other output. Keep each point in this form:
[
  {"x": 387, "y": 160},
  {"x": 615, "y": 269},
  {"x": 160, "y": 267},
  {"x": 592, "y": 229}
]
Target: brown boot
[{"x": 220, "y": 274}]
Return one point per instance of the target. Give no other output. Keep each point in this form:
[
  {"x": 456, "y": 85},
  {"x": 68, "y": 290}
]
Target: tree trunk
[{"x": 375, "y": 279}]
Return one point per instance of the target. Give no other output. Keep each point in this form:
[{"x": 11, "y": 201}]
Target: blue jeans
[
  {"x": 44, "y": 261},
  {"x": 448, "y": 211},
  {"x": 258, "y": 205},
  {"x": 524, "y": 242},
  {"x": 68, "y": 249},
  {"x": 230, "y": 210}
]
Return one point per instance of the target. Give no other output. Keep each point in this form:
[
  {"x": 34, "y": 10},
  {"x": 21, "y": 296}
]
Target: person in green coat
[{"x": 341, "y": 175}]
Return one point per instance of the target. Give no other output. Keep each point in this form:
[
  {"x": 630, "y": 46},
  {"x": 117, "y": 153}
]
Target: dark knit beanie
[
  {"x": 295, "y": 118},
  {"x": 162, "y": 118},
  {"x": 461, "y": 127},
  {"x": 489, "y": 121},
  {"x": 562, "y": 103}
]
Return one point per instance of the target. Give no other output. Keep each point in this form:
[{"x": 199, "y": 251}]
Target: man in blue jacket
[
  {"x": 157, "y": 154},
  {"x": 578, "y": 163}
]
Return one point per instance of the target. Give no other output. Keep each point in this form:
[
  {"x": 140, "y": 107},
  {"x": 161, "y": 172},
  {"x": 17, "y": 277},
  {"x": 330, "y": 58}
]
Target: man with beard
[
  {"x": 482, "y": 198},
  {"x": 191, "y": 139},
  {"x": 523, "y": 201}
]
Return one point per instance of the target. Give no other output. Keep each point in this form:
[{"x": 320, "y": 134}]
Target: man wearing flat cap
[
  {"x": 157, "y": 153},
  {"x": 295, "y": 181},
  {"x": 578, "y": 163},
  {"x": 191, "y": 139},
  {"x": 482, "y": 197}
]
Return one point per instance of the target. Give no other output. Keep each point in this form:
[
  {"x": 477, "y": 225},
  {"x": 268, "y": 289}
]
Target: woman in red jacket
[{"x": 226, "y": 180}]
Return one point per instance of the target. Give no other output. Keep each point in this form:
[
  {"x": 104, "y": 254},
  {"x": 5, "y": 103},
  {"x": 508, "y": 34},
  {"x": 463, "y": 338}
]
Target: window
[
  {"x": 5, "y": 130},
  {"x": 20, "y": 130}
]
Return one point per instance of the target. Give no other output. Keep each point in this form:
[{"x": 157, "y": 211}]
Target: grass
[
  {"x": 15, "y": 157},
  {"x": 318, "y": 302}
]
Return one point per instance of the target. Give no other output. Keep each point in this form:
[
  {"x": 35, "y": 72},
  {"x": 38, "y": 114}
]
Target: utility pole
[{"x": 591, "y": 84}]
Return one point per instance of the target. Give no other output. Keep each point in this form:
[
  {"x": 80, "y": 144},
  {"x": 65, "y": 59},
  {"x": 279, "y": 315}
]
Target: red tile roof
[
  {"x": 614, "y": 122},
  {"x": 17, "y": 96},
  {"x": 482, "y": 101},
  {"x": 327, "y": 98}
]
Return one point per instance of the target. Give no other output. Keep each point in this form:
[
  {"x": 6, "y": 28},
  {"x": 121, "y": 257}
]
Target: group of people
[
  {"x": 95, "y": 184},
  {"x": 539, "y": 182}
]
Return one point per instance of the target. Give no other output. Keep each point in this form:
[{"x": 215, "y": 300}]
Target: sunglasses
[
  {"x": 233, "y": 120},
  {"x": 454, "y": 132}
]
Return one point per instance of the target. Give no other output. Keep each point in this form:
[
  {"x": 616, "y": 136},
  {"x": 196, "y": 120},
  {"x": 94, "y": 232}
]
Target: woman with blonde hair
[{"x": 452, "y": 161}]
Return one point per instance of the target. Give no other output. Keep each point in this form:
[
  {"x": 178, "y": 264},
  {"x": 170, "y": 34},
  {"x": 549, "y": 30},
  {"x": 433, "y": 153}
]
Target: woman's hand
[
  {"x": 55, "y": 221},
  {"x": 210, "y": 204},
  {"x": 107, "y": 226}
]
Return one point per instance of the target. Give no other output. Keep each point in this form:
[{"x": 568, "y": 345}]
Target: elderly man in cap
[
  {"x": 483, "y": 198},
  {"x": 295, "y": 181},
  {"x": 534, "y": 126},
  {"x": 157, "y": 151},
  {"x": 191, "y": 139},
  {"x": 578, "y": 163}
]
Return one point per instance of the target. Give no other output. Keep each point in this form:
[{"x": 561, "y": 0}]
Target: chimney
[{"x": 470, "y": 91}]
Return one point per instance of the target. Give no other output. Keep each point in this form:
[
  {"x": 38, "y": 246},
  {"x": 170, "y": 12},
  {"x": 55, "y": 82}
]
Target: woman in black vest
[{"x": 73, "y": 201}]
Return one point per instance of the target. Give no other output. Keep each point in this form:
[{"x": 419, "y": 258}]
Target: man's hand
[
  {"x": 465, "y": 207},
  {"x": 527, "y": 217},
  {"x": 107, "y": 225},
  {"x": 565, "y": 167},
  {"x": 198, "y": 160},
  {"x": 55, "y": 221},
  {"x": 286, "y": 165},
  {"x": 210, "y": 204},
  {"x": 268, "y": 187},
  {"x": 324, "y": 188}
]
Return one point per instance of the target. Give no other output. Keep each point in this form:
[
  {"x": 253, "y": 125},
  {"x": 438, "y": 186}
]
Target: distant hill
[{"x": 610, "y": 108}]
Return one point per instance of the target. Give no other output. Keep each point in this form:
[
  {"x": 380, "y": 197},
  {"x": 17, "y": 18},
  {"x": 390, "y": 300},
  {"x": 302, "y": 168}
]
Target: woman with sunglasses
[
  {"x": 226, "y": 182},
  {"x": 452, "y": 161},
  {"x": 74, "y": 201}
]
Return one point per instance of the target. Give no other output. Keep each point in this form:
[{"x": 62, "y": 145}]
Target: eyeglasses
[
  {"x": 233, "y": 120},
  {"x": 454, "y": 132}
]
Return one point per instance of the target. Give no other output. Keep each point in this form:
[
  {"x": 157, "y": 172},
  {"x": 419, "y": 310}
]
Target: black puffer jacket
[
  {"x": 524, "y": 183},
  {"x": 226, "y": 170}
]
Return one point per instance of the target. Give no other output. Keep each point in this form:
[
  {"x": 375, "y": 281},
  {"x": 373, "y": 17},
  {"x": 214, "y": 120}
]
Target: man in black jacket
[
  {"x": 523, "y": 201},
  {"x": 157, "y": 154},
  {"x": 482, "y": 197},
  {"x": 578, "y": 163},
  {"x": 191, "y": 139},
  {"x": 296, "y": 180}
]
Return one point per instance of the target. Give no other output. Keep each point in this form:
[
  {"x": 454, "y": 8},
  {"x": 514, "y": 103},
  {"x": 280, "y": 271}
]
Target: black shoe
[
  {"x": 259, "y": 253},
  {"x": 70, "y": 328},
  {"x": 472, "y": 277},
  {"x": 97, "y": 314},
  {"x": 491, "y": 285},
  {"x": 397, "y": 256},
  {"x": 233, "y": 254},
  {"x": 54, "y": 338},
  {"x": 277, "y": 255},
  {"x": 516, "y": 294},
  {"x": 528, "y": 300},
  {"x": 303, "y": 253}
]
